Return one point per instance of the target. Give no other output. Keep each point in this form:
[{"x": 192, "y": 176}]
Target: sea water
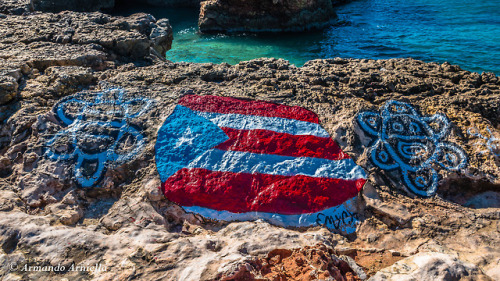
[{"x": 460, "y": 32}]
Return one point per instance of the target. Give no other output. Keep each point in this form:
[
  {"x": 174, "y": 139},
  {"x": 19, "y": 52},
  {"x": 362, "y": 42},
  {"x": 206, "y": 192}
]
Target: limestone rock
[
  {"x": 92, "y": 32},
  {"x": 174, "y": 3},
  {"x": 8, "y": 89},
  {"x": 358, "y": 270},
  {"x": 162, "y": 36},
  {"x": 153, "y": 191},
  {"x": 85, "y": 6},
  {"x": 124, "y": 203},
  {"x": 10, "y": 76},
  {"x": 9, "y": 201},
  {"x": 76, "y": 70},
  {"x": 430, "y": 266},
  {"x": 68, "y": 211},
  {"x": 265, "y": 15},
  {"x": 142, "y": 243},
  {"x": 71, "y": 5},
  {"x": 15, "y": 7},
  {"x": 308, "y": 263}
]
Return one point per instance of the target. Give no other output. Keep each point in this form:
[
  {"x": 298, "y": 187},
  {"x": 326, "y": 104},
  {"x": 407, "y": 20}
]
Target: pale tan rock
[
  {"x": 493, "y": 269},
  {"x": 153, "y": 191},
  {"x": 189, "y": 257},
  {"x": 430, "y": 266},
  {"x": 9, "y": 201},
  {"x": 67, "y": 211}
]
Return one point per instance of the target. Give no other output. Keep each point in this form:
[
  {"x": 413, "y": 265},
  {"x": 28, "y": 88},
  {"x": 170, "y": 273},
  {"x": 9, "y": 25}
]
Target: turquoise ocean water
[{"x": 461, "y": 32}]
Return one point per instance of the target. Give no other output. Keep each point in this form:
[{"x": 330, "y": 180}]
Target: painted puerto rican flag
[{"x": 232, "y": 159}]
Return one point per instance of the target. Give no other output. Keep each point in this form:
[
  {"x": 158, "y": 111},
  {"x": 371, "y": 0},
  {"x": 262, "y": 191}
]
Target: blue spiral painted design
[
  {"x": 88, "y": 121},
  {"x": 411, "y": 143}
]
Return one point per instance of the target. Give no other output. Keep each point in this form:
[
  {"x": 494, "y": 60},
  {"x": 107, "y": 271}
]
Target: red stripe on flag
[
  {"x": 270, "y": 142},
  {"x": 240, "y": 192},
  {"x": 227, "y": 105}
]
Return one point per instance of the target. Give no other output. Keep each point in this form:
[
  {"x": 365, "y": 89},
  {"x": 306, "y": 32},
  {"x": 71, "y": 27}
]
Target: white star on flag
[{"x": 187, "y": 137}]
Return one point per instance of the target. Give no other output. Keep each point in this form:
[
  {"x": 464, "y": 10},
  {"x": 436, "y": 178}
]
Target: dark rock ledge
[
  {"x": 265, "y": 15},
  {"x": 103, "y": 5},
  {"x": 125, "y": 224}
]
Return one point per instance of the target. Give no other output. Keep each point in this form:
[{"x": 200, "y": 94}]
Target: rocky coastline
[
  {"x": 94, "y": 6},
  {"x": 125, "y": 225},
  {"x": 265, "y": 16},
  {"x": 215, "y": 15}
]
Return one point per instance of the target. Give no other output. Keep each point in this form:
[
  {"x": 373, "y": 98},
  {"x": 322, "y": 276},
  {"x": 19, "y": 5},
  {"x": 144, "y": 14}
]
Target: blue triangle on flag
[{"x": 183, "y": 137}]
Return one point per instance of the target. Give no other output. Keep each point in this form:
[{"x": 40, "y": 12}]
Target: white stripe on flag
[
  {"x": 246, "y": 162},
  {"x": 286, "y": 220},
  {"x": 277, "y": 124}
]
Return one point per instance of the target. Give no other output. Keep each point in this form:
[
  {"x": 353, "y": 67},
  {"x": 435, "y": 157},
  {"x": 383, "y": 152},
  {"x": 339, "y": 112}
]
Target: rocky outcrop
[
  {"x": 430, "y": 266},
  {"x": 72, "y": 5},
  {"x": 83, "y": 97},
  {"x": 15, "y": 7},
  {"x": 265, "y": 15},
  {"x": 71, "y": 39},
  {"x": 309, "y": 263},
  {"x": 94, "y": 5},
  {"x": 173, "y": 3},
  {"x": 133, "y": 36}
]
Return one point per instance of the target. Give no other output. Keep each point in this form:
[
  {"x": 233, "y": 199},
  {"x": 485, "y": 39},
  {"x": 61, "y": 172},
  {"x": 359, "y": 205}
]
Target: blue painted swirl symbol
[
  {"x": 98, "y": 133},
  {"x": 405, "y": 140}
]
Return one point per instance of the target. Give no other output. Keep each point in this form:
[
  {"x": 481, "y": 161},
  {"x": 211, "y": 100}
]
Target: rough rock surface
[
  {"x": 16, "y": 7},
  {"x": 265, "y": 15},
  {"x": 172, "y": 3},
  {"x": 94, "y": 5},
  {"x": 72, "y": 39},
  {"x": 317, "y": 262},
  {"x": 71, "y": 5},
  {"x": 308, "y": 263},
  {"x": 430, "y": 266},
  {"x": 123, "y": 223},
  {"x": 127, "y": 36}
]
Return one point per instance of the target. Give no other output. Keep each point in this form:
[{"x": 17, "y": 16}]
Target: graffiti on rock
[
  {"x": 405, "y": 140},
  {"x": 339, "y": 218},
  {"x": 231, "y": 159},
  {"x": 98, "y": 132},
  {"x": 492, "y": 143}
]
